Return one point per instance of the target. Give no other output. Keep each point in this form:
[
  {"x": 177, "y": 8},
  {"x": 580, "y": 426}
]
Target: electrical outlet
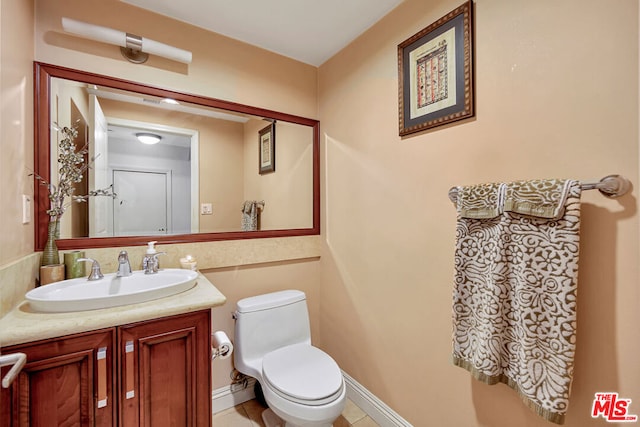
[
  {"x": 26, "y": 209},
  {"x": 206, "y": 209}
]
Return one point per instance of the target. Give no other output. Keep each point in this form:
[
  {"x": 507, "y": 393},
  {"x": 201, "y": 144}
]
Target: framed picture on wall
[
  {"x": 435, "y": 73},
  {"x": 267, "y": 149}
]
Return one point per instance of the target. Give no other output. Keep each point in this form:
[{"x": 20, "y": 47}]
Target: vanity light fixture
[
  {"x": 148, "y": 138},
  {"x": 135, "y": 48}
]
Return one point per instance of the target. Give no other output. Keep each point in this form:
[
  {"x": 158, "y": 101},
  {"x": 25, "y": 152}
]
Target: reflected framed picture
[
  {"x": 267, "y": 149},
  {"x": 435, "y": 73}
]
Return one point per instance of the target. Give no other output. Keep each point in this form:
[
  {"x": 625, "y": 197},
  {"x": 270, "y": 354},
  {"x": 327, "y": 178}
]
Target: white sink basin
[{"x": 110, "y": 291}]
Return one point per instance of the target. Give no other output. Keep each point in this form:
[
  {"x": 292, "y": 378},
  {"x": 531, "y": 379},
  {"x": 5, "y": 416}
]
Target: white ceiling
[{"x": 310, "y": 31}]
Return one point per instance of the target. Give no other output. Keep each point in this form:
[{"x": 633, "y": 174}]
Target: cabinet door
[
  {"x": 165, "y": 377},
  {"x": 67, "y": 381}
]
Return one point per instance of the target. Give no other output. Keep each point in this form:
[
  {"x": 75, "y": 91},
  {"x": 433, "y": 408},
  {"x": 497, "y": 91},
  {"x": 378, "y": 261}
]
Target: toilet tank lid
[{"x": 271, "y": 300}]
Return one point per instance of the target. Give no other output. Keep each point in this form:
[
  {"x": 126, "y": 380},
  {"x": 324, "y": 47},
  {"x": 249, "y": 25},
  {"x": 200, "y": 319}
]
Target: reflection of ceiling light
[
  {"x": 170, "y": 101},
  {"x": 148, "y": 138}
]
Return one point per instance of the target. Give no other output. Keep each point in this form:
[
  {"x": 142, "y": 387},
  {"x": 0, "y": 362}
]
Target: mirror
[{"x": 219, "y": 171}]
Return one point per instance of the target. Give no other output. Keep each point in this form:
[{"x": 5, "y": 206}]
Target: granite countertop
[{"x": 22, "y": 324}]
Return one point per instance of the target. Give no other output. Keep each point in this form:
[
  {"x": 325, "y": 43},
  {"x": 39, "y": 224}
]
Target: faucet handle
[
  {"x": 158, "y": 253},
  {"x": 96, "y": 274},
  {"x": 150, "y": 263},
  {"x": 124, "y": 267}
]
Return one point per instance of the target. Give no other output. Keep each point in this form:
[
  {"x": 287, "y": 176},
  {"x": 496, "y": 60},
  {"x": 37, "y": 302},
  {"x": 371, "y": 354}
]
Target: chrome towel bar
[{"x": 611, "y": 186}]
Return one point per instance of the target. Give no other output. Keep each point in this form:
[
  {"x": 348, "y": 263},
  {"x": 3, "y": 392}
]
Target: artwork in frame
[
  {"x": 435, "y": 73},
  {"x": 267, "y": 149}
]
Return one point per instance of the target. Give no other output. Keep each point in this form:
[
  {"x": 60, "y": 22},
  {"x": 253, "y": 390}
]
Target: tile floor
[{"x": 248, "y": 415}]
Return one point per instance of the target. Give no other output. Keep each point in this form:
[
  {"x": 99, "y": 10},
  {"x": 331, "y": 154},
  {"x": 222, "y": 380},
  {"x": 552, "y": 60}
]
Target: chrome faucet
[
  {"x": 124, "y": 267},
  {"x": 150, "y": 263},
  {"x": 96, "y": 274}
]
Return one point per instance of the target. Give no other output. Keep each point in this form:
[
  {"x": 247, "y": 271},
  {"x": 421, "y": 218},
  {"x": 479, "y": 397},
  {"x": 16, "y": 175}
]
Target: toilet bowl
[{"x": 302, "y": 385}]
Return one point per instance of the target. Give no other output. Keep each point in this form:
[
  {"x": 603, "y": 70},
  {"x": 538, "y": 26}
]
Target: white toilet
[{"x": 302, "y": 385}]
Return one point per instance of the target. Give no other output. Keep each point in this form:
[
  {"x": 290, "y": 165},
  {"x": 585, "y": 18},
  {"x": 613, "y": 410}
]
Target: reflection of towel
[
  {"x": 250, "y": 215},
  {"x": 514, "y": 302}
]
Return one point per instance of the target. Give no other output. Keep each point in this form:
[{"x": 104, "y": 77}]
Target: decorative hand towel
[
  {"x": 480, "y": 201},
  {"x": 541, "y": 198},
  {"x": 250, "y": 215},
  {"x": 514, "y": 303}
]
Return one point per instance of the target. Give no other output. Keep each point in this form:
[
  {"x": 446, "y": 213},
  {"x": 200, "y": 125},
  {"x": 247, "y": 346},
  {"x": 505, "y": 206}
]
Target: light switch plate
[
  {"x": 206, "y": 209},
  {"x": 26, "y": 209}
]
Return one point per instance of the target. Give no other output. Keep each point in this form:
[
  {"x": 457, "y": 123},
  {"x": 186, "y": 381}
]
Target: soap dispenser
[
  {"x": 151, "y": 248},
  {"x": 150, "y": 263}
]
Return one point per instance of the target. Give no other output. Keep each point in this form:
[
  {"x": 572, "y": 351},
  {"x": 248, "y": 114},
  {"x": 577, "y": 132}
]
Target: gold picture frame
[{"x": 435, "y": 73}]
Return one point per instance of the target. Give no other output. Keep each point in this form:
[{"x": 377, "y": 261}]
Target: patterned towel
[
  {"x": 480, "y": 201},
  {"x": 544, "y": 198},
  {"x": 251, "y": 215},
  {"x": 514, "y": 303}
]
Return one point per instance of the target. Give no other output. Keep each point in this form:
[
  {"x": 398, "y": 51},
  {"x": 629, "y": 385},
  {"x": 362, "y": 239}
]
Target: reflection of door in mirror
[
  {"x": 100, "y": 224},
  {"x": 173, "y": 153},
  {"x": 143, "y": 204},
  {"x": 152, "y": 181}
]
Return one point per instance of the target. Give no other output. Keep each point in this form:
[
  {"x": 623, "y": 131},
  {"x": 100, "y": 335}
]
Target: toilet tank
[{"x": 267, "y": 322}]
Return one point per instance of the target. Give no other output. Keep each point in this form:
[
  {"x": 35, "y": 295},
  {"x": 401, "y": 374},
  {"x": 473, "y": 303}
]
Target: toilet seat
[{"x": 303, "y": 374}]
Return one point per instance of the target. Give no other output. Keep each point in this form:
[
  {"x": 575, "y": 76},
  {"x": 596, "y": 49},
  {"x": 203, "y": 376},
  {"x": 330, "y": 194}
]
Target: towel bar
[
  {"x": 18, "y": 360},
  {"x": 611, "y": 186}
]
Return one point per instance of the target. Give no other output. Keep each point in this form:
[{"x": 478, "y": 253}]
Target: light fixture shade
[
  {"x": 119, "y": 38},
  {"x": 170, "y": 101},
  {"x": 148, "y": 138}
]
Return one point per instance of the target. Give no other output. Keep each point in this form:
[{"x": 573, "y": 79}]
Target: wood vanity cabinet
[
  {"x": 165, "y": 372},
  {"x": 152, "y": 373},
  {"x": 60, "y": 384}
]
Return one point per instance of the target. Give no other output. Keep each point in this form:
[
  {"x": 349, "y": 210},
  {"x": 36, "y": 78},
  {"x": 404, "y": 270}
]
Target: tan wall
[
  {"x": 557, "y": 96},
  {"x": 16, "y": 126}
]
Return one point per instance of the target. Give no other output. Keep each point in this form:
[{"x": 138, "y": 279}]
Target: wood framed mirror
[{"x": 211, "y": 206}]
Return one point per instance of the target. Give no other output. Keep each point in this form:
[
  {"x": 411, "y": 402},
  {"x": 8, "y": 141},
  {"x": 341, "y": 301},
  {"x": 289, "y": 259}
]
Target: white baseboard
[
  {"x": 230, "y": 396},
  {"x": 227, "y": 397},
  {"x": 383, "y": 415}
]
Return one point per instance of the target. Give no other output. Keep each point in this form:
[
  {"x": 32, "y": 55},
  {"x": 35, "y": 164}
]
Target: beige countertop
[{"x": 22, "y": 324}]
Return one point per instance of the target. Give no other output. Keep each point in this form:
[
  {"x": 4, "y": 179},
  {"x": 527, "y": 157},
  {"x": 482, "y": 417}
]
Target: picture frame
[
  {"x": 267, "y": 149},
  {"x": 435, "y": 73}
]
